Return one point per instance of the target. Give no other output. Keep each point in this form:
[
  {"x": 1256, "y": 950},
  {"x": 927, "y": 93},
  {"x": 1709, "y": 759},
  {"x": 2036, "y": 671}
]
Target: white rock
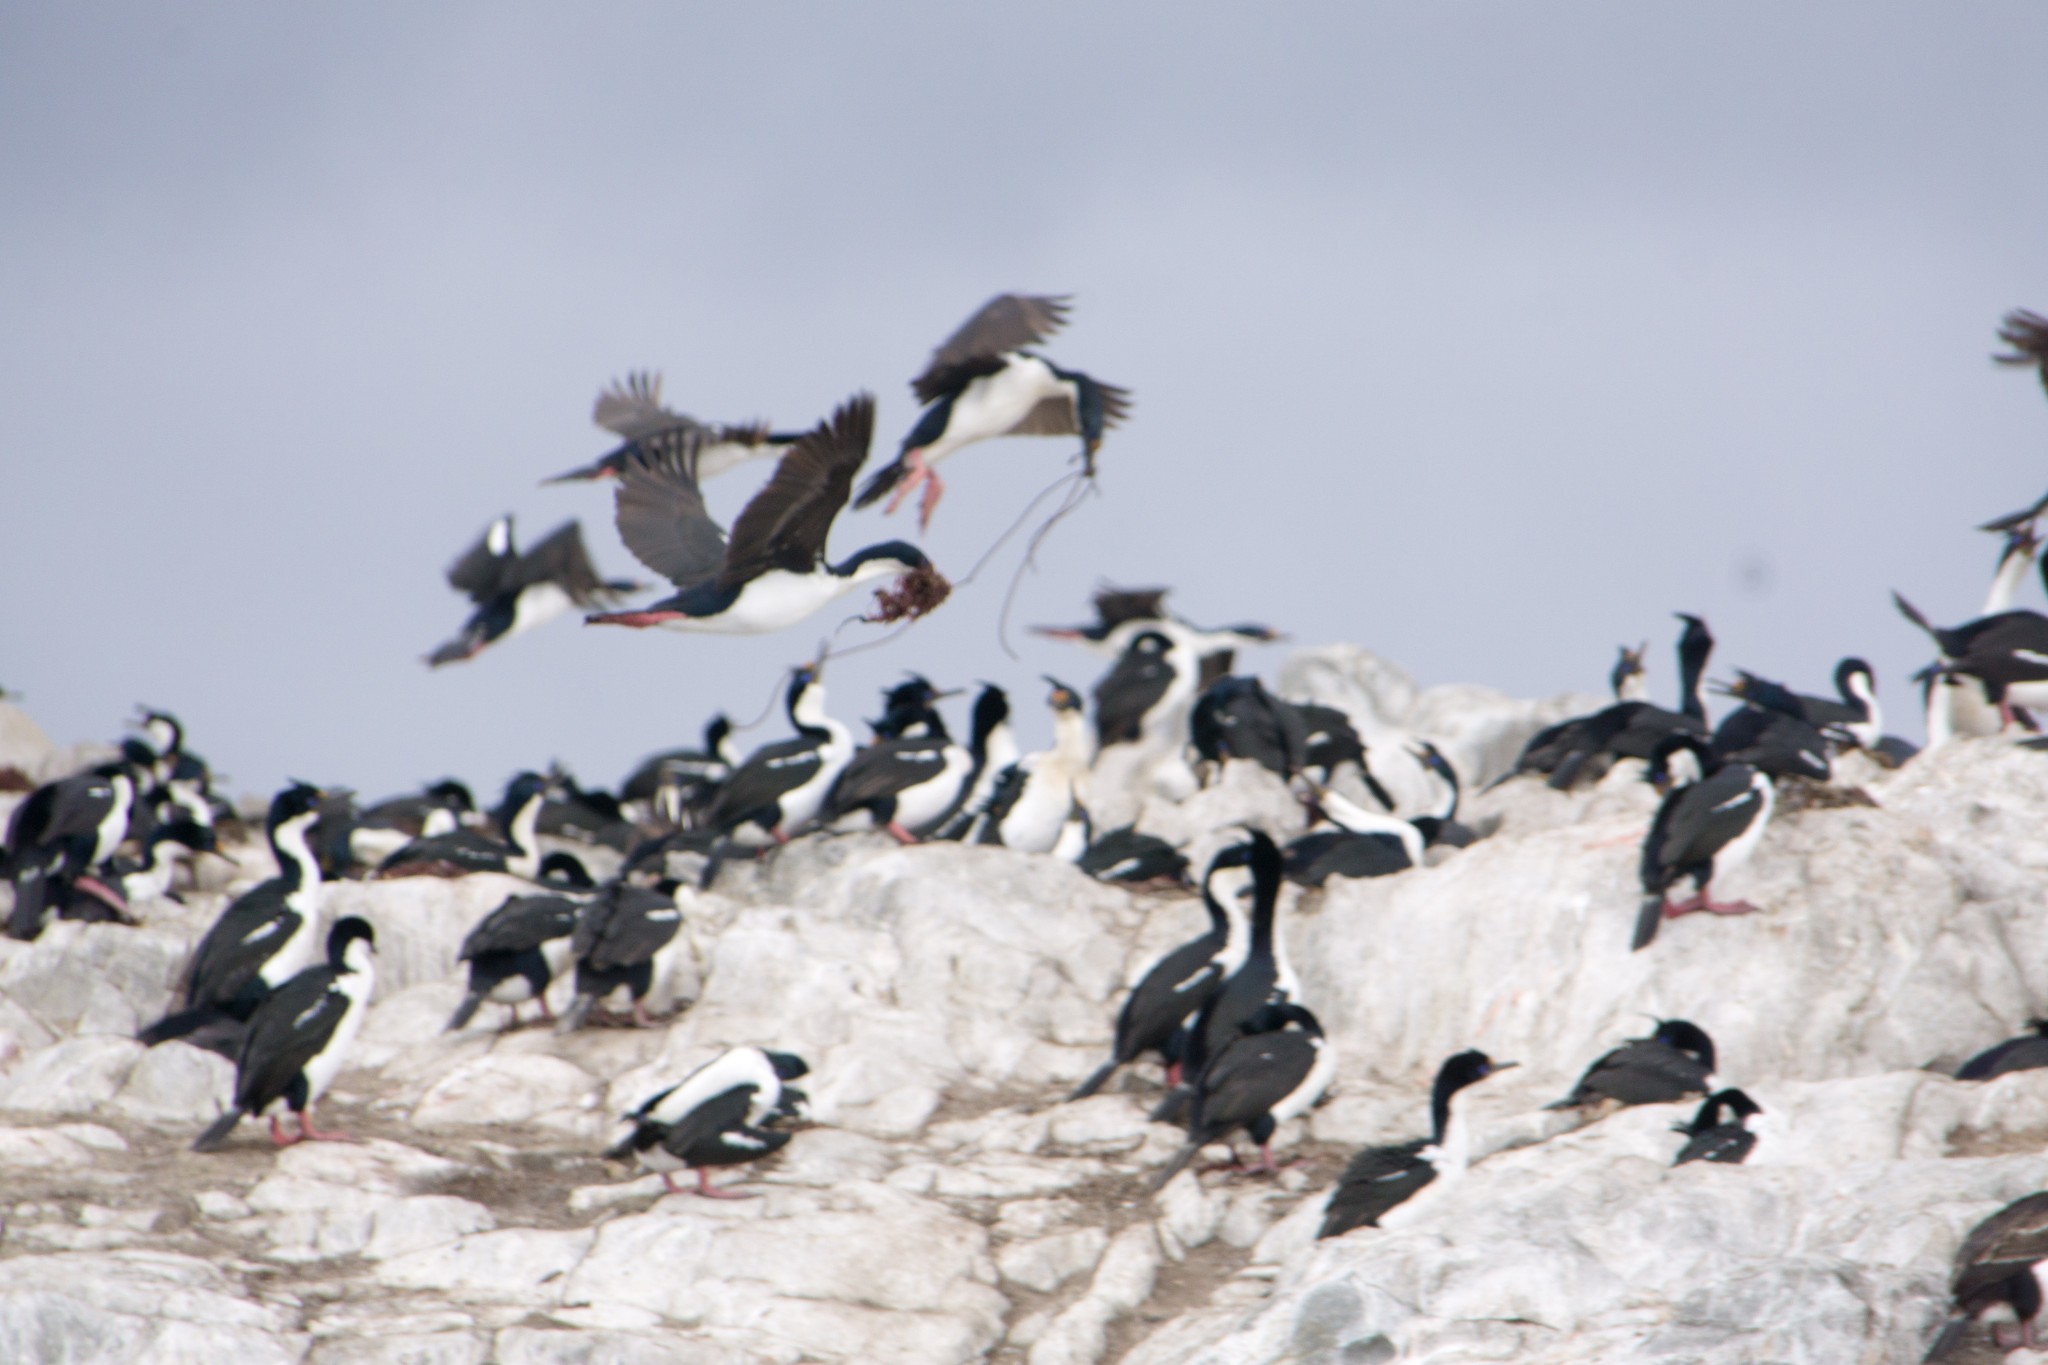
[{"x": 1044, "y": 1263}]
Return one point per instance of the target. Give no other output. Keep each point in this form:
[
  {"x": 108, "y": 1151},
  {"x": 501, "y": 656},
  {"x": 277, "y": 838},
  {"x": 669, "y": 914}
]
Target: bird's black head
[
  {"x": 137, "y": 754},
  {"x": 1454, "y": 1075},
  {"x": 163, "y": 729},
  {"x": 524, "y": 787},
  {"x": 348, "y": 929},
  {"x": 300, "y": 798},
  {"x": 566, "y": 870},
  {"x": 715, "y": 732},
  {"x": 1432, "y": 758},
  {"x": 1695, "y": 641},
  {"x": 897, "y": 553},
  {"x": 801, "y": 679},
  {"x": 1659, "y": 774},
  {"x": 788, "y": 1066},
  {"x": 1062, "y": 697},
  {"x": 1854, "y": 668},
  {"x": 1687, "y": 1037},
  {"x": 1738, "y": 1103},
  {"x": 991, "y": 709},
  {"x": 452, "y": 794}
]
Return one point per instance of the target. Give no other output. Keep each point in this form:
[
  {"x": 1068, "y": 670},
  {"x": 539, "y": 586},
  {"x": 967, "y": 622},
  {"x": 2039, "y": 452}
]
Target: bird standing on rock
[
  {"x": 715, "y": 1116},
  {"x": 1277, "y": 1067},
  {"x": 982, "y": 382},
  {"x": 617, "y": 935},
  {"x": 2001, "y": 1278},
  {"x": 299, "y": 1038},
  {"x": 1381, "y": 1183},
  {"x": 1675, "y": 1061},
  {"x": 1703, "y": 828},
  {"x": 507, "y": 953}
]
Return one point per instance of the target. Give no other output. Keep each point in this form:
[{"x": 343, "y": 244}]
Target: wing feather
[
  {"x": 661, "y": 515},
  {"x": 1007, "y": 322},
  {"x": 786, "y": 523},
  {"x": 632, "y": 408}
]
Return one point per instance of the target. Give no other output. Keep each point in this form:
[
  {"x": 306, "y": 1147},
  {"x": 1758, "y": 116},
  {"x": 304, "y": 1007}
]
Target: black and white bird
[
  {"x": 148, "y": 877},
  {"x": 516, "y": 592},
  {"x": 1179, "y": 984},
  {"x": 1126, "y": 855},
  {"x": 910, "y": 787},
  {"x": 461, "y": 851},
  {"x": 264, "y": 938},
  {"x": 1703, "y": 828},
  {"x": 718, "y": 1115},
  {"x": 772, "y": 573},
  {"x": 782, "y": 786},
  {"x": 675, "y": 786},
  {"x": 1031, "y": 805},
  {"x": 1235, "y": 717},
  {"x": 1351, "y": 841},
  {"x": 2000, "y": 1278},
  {"x": 1777, "y": 743},
  {"x": 379, "y": 830},
  {"x": 1674, "y": 1061},
  {"x": 1378, "y": 1188},
  {"x": 2006, "y": 653},
  {"x": 2015, "y": 558},
  {"x": 299, "y": 1037},
  {"x": 2027, "y": 1052},
  {"x": 1852, "y": 716},
  {"x": 1629, "y": 679},
  {"x": 1583, "y": 748},
  {"x": 1263, "y": 977},
  {"x": 514, "y": 954},
  {"x": 1709, "y": 1137},
  {"x": 2027, "y": 334},
  {"x": 982, "y": 382},
  {"x": 58, "y": 835},
  {"x": 633, "y": 411},
  {"x": 1275, "y": 1069},
  {"x": 617, "y": 934}
]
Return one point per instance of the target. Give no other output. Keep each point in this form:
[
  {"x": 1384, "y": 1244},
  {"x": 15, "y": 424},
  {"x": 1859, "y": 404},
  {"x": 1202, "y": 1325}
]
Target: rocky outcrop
[{"x": 949, "y": 1206}]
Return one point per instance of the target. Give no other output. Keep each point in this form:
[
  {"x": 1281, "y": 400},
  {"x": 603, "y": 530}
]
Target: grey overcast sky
[{"x": 1485, "y": 335}]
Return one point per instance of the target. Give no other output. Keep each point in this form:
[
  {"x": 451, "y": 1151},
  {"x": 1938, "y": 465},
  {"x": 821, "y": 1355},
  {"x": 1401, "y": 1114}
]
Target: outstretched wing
[
  {"x": 661, "y": 515},
  {"x": 633, "y": 409},
  {"x": 485, "y": 567},
  {"x": 561, "y": 559},
  {"x": 785, "y": 525},
  {"x": 2027, "y": 334},
  {"x": 1006, "y": 322},
  {"x": 1114, "y": 606}
]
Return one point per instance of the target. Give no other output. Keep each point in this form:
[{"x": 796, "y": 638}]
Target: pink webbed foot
[
  {"x": 641, "y": 1018},
  {"x": 279, "y": 1137},
  {"x": 309, "y": 1133},
  {"x": 915, "y": 472},
  {"x": 1673, "y": 909},
  {"x": 1727, "y": 907},
  {"x": 901, "y": 835},
  {"x": 933, "y": 488},
  {"x": 711, "y": 1191}
]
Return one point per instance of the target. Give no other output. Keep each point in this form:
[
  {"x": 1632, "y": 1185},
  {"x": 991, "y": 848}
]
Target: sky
[{"x": 1483, "y": 335}]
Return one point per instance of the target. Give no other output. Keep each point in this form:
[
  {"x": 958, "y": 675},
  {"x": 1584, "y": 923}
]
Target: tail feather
[
  {"x": 573, "y": 1018},
  {"x": 879, "y": 483},
  {"x": 1912, "y": 613},
  {"x": 1095, "y": 1082},
  {"x": 208, "y": 1027},
  {"x": 465, "y": 1011},
  {"x": 1170, "y": 1108},
  {"x": 1174, "y": 1167},
  {"x": 31, "y": 893},
  {"x": 213, "y": 1137},
  {"x": 1950, "y": 1336},
  {"x": 1647, "y": 919}
]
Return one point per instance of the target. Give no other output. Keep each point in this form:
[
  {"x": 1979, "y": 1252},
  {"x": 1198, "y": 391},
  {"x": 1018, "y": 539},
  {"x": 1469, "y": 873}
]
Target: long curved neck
[
  {"x": 520, "y": 830},
  {"x": 1072, "y": 739},
  {"x": 295, "y": 860}
]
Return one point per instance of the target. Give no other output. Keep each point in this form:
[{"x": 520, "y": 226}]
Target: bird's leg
[
  {"x": 710, "y": 1191},
  {"x": 278, "y": 1136},
  {"x": 309, "y": 1133},
  {"x": 1685, "y": 907},
  {"x": 1724, "y": 907},
  {"x": 915, "y": 472},
  {"x": 668, "y": 1179},
  {"x": 932, "y": 489},
  {"x": 2008, "y": 1343},
  {"x": 545, "y": 1012},
  {"x": 100, "y": 891},
  {"x": 640, "y": 1019},
  {"x": 1173, "y": 1075},
  {"x": 513, "y": 1009},
  {"x": 902, "y": 835}
]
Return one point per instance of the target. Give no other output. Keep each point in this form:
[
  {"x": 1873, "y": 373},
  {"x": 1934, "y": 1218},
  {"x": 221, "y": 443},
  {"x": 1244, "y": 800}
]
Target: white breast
[
  {"x": 992, "y": 404},
  {"x": 924, "y": 803},
  {"x": 773, "y": 601},
  {"x": 536, "y": 606}
]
